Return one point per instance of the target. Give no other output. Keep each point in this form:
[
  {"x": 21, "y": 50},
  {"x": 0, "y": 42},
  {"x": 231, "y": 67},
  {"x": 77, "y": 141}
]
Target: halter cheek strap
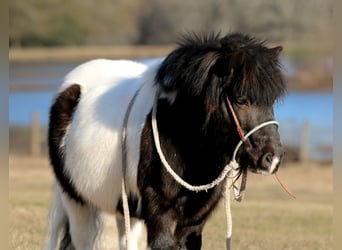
[{"x": 236, "y": 120}]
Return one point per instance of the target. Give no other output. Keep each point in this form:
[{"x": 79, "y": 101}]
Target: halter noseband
[{"x": 243, "y": 137}]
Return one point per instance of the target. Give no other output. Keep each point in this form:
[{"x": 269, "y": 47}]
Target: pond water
[{"x": 295, "y": 110}]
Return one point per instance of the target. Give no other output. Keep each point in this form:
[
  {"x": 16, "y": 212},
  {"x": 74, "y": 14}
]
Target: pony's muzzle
[
  {"x": 270, "y": 161},
  {"x": 261, "y": 155}
]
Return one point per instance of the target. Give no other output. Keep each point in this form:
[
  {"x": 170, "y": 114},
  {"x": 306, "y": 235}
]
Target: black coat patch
[{"x": 61, "y": 113}]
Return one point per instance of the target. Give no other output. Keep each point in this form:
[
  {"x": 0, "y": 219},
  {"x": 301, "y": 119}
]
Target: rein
[{"x": 231, "y": 171}]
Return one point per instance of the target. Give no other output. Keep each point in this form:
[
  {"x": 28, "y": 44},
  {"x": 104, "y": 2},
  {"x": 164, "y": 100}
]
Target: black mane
[{"x": 236, "y": 64}]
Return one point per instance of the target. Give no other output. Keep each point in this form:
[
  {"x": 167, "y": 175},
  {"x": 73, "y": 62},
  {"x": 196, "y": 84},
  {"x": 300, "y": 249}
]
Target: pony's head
[{"x": 237, "y": 68}]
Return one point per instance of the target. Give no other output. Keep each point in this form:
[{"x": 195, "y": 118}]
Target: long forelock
[
  {"x": 188, "y": 69},
  {"x": 261, "y": 84},
  {"x": 260, "y": 79}
]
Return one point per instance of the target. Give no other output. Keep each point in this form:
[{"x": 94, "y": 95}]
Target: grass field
[{"x": 267, "y": 219}]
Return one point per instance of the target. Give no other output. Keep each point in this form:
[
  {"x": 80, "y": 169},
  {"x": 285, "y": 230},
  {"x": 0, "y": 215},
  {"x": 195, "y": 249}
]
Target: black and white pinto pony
[{"x": 197, "y": 133}]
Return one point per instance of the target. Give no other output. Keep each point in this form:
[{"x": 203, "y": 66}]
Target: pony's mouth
[
  {"x": 267, "y": 164},
  {"x": 273, "y": 167}
]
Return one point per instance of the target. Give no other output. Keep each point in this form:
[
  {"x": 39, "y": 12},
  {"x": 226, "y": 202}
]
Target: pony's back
[{"x": 102, "y": 71}]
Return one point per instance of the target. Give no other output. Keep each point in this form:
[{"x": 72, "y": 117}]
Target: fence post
[
  {"x": 35, "y": 135},
  {"x": 305, "y": 142}
]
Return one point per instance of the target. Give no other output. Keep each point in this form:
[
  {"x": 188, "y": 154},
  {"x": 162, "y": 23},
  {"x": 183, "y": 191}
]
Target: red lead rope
[{"x": 284, "y": 187}]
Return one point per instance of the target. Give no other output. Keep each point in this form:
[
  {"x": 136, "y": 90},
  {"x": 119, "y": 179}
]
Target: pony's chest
[{"x": 193, "y": 207}]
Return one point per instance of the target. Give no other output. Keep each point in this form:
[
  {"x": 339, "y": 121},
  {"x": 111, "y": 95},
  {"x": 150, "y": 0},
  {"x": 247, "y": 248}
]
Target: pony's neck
[{"x": 182, "y": 132}]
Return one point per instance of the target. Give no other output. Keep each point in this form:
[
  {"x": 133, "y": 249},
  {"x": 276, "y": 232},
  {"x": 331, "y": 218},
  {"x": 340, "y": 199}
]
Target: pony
[{"x": 198, "y": 132}]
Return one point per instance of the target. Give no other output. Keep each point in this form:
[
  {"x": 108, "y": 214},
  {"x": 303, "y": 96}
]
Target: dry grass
[
  {"x": 270, "y": 219},
  {"x": 267, "y": 218}
]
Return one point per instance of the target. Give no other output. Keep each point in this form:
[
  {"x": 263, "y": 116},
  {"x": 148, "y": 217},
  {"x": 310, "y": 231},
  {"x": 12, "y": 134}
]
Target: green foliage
[
  {"x": 43, "y": 23},
  {"x": 66, "y": 22},
  {"x": 69, "y": 33}
]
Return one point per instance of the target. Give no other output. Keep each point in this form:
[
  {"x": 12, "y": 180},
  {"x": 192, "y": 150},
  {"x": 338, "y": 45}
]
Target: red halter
[{"x": 237, "y": 123}]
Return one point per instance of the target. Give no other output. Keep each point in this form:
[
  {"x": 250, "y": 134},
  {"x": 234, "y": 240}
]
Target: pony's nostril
[
  {"x": 267, "y": 160},
  {"x": 270, "y": 162}
]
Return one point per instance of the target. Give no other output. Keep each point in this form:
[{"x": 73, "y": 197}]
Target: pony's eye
[{"x": 242, "y": 100}]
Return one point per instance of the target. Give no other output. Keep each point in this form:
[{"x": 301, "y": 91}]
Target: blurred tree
[
  {"x": 275, "y": 20},
  {"x": 64, "y": 22},
  {"x": 108, "y": 21},
  {"x": 163, "y": 21},
  {"x": 39, "y": 22}
]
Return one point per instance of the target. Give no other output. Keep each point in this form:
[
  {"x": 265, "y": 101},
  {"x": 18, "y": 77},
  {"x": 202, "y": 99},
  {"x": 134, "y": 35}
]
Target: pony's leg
[
  {"x": 135, "y": 234},
  {"x": 85, "y": 225},
  {"x": 57, "y": 220},
  {"x": 159, "y": 221},
  {"x": 189, "y": 237},
  {"x": 159, "y": 232}
]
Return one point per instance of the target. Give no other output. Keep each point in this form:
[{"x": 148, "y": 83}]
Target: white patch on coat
[
  {"x": 275, "y": 162},
  {"x": 93, "y": 142}
]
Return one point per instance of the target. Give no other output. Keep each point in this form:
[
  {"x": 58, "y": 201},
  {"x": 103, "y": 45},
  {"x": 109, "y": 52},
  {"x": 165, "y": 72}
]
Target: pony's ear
[
  {"x": 237, "y": 60},
  {"x": 276, "y": 51},
  {"x": 227, "y": 64}
]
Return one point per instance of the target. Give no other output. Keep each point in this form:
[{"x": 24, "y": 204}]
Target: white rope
[
  {"x": 124, "y": 197},
  {"x": 127, "y": 218},
  {"x": 229, "y": 221},
  {"x": 233, "y": 165},
  {"x": 230, "y": 172},
  {"x": 178, "y": 179}
]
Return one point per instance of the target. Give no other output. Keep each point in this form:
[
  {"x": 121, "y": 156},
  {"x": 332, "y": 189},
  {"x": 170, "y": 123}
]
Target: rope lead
[{"x": 228, "y": 173}]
